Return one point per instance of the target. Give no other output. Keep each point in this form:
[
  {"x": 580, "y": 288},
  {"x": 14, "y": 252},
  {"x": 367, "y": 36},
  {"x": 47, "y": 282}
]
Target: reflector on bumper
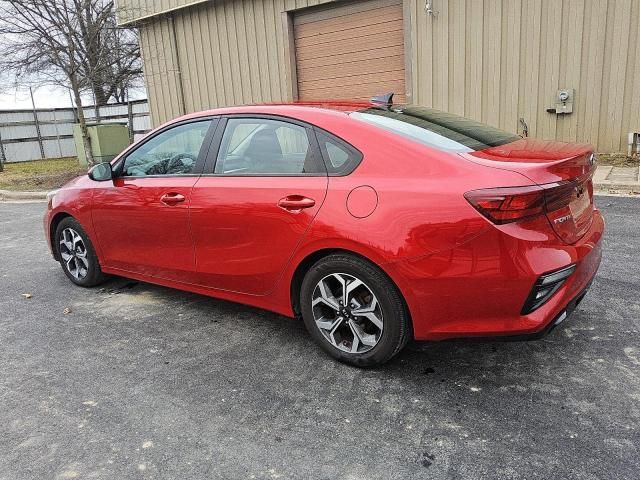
[{"x": 545, "y": 287}]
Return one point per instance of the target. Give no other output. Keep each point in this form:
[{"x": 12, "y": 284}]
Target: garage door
[{"x": 350, "y": 51}]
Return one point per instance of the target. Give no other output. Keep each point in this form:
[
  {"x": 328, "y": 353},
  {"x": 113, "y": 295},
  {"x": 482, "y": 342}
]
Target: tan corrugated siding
[
  {"x": 162, "y": 74},
  {"x": 229, "y": 52},
  {"x": 518, "y": 53},
  {"x": 131, "y": 10},
  {"x": 493, "y": 60}
]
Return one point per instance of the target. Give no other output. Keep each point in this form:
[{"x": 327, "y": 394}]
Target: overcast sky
[{"x": 47, "y": 97}]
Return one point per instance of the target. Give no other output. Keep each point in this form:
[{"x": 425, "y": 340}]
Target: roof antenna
[{"x": 384, "y": 100}]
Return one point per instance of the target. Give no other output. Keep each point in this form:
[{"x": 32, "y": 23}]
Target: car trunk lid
[{"x": 563, "y": 170}]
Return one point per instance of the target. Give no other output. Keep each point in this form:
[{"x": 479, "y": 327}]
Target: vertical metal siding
[
  {"x": 492, "y": 60},
  {"x": 130, "y": 10},
  {"x": 229, "y": 52},
  {"x": 518, "y": 53}
]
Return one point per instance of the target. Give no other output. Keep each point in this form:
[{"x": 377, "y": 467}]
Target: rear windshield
[{"x": 437, "y": 129}]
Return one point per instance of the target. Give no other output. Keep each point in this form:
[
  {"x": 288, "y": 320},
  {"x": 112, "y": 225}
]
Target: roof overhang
[{"x": 132, "y": 18}]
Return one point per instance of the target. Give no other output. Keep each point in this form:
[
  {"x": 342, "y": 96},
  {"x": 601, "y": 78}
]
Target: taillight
[
  {"x": 559, "y": 195},
  {"x": 508, "y": 204},
  {"x": 512, "y": 204}
]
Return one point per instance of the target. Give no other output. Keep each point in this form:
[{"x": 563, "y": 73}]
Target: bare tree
[
  {"x": 73, "y": 43},
  {"x": 111, "y": 55}
]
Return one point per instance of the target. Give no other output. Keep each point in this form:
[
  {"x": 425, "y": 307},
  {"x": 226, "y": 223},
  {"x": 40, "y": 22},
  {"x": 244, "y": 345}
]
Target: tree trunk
[
  {"x": 100, "y": 95},
  {"x": 86, "y": 141}
]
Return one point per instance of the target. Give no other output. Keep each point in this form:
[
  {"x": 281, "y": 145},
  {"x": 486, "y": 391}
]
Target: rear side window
[
  {"x": 262, "y": 146},
  {"x": 340, "y": 157},
  {"x": 437, "y": 129}
]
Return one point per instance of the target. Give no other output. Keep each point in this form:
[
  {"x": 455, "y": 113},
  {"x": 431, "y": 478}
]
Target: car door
[
  {"x": 255, "y": 206},
  {"x": 141, "y": 219}
]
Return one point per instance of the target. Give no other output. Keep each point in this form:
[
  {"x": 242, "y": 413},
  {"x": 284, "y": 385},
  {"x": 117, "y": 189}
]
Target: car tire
[
  {"x": 76, "y": 254},
  {"x": 375, "y": 323}
]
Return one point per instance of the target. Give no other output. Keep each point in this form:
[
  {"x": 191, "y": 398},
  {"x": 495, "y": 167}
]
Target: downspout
[{"x": 176, "y": 59}]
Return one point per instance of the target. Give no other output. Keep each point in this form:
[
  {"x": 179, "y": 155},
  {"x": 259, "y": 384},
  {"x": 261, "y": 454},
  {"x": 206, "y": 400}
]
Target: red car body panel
[
  {"x": 403, "y": 208},
  {"x": 243, "y": 238},
  {"x": 131, "y": 209}
]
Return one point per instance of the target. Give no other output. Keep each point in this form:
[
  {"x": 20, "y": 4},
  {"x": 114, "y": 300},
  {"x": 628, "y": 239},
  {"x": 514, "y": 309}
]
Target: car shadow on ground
[{"x": 456, "y": 358}]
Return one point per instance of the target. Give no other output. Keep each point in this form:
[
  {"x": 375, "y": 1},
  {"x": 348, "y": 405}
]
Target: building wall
[
  {"x": 492, "y": 60},
  {"x": 228, "y": 52},
  {"x": 499, "y": 60},
  {"x": 130, "y": 10}
]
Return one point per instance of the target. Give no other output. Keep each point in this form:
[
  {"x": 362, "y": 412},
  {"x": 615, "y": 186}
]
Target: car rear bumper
[
  {"x": 479, "y": 289},
  {"x": 560, "y": 318}
]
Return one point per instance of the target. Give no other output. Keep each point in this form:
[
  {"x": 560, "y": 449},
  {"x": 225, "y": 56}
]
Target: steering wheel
[
  {"x": 176, "y": 163},
  {"x": 180, "y": 156}
]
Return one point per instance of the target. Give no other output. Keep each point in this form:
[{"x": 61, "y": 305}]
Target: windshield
[{"x": 435, "y": 128}]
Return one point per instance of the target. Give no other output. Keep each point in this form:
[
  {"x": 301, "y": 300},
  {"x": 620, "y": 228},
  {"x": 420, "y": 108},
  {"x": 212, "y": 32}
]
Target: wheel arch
[
  {"x": 307, "y": 262},
  {"x": 53, "y": 226}
]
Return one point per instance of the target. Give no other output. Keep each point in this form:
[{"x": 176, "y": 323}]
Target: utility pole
[
  {"x": 129, "y": 116},
  {"x": 35, "y": 117},
  {"x": 3, "y": 158}
]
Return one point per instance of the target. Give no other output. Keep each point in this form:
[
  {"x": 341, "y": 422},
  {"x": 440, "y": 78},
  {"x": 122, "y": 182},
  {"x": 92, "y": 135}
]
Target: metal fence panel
[
  {"x": 25, "y": 116},
  {"x": 23, "y": 151},
  {"x": 18, "y": 132},
  {"x": 20, "y": 137},
  {"x": 65, "y": 147},
  {"x": 142, "y": 124}
]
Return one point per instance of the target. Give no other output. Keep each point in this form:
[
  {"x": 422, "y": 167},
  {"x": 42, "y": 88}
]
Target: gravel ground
[{"x": 132, "y": 380}]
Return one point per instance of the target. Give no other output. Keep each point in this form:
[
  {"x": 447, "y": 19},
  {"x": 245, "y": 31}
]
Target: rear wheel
[
  {"x": 354, "y": 311},
  {"x": 76, "y": 254}
]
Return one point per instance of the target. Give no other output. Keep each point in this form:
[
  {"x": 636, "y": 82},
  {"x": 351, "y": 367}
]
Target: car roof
[{"x": 293, "y": 109}]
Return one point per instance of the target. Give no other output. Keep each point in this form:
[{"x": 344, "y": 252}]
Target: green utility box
[{"x": 107, "y": 141}]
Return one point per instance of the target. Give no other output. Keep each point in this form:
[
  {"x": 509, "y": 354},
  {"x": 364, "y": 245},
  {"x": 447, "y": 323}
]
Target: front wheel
[
  {"x": 76, "y": 254},
  {"x": 354, "y": 311}
]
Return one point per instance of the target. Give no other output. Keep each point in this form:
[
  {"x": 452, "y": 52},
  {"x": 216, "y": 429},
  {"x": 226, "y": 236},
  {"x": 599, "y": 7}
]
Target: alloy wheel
[
  {"x": 347, "y": 313},
  {"x": 74, "y": 253}
]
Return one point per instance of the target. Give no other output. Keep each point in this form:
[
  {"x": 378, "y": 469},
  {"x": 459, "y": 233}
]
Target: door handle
[
  {"x": 295, "y": 203},
  {"x": 172, "y": 198}
]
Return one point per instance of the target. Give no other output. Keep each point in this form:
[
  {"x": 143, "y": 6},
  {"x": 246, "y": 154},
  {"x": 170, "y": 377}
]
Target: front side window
[
  {"x": 172, "y": 152},
  {"x": 434, "y": 128},
  {"x": 254, "y": 146}
]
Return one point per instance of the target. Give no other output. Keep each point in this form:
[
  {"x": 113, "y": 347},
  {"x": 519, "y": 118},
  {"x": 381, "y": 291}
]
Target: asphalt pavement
[{"x": 130, "y": 380}]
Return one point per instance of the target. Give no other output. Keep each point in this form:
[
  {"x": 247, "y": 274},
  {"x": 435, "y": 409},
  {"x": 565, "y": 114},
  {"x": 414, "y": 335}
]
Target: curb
[
  {"x": 8, "y": 195},
  {"x": 630, "y": 189}
]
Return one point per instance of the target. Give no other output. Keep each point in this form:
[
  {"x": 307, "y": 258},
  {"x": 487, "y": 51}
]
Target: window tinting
[
  {"x": 337, "y": 156},
  {"x": 340, "y": 158},
  {"x": 252, "y": 146},
  {"x": 436, "y": 129},
  {"x": 172, "y": 152}
]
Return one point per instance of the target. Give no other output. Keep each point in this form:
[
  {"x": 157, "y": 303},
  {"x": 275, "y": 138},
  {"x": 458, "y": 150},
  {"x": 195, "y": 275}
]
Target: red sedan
[{"x": 375, "y": 223}]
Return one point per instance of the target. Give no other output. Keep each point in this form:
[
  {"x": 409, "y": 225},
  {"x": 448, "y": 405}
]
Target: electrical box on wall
[{"x": 564, "y": 100}]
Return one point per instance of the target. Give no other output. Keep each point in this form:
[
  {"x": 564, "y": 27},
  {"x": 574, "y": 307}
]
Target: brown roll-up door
[{"x": 350, "y": 51}]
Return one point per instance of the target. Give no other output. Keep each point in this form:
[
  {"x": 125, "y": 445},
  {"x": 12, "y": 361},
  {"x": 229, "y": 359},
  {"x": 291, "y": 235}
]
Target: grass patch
[
  {"x": 618, "y": 160},
  {"x": 40, "y": 174}
]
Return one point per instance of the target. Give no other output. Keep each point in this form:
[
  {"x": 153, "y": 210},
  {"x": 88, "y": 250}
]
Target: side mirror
[{"x": 101, "y": 172}]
